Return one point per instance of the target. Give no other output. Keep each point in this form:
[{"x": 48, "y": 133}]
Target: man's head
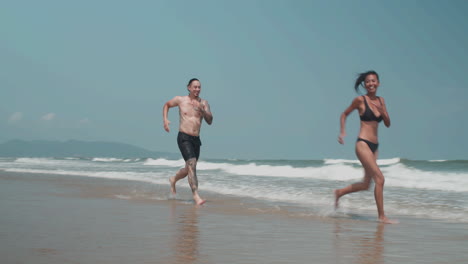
[{"x": 194, "y": 87}]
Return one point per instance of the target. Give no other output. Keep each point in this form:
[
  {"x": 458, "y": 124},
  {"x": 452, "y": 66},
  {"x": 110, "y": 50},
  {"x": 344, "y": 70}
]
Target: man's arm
[
  {"x": 206, "y": 112},
  {"x": 169, "y": 104}
]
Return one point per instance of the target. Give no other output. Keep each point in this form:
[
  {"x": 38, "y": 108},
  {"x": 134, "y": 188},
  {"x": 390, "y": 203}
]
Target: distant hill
[{"x": 76, "y": 148}]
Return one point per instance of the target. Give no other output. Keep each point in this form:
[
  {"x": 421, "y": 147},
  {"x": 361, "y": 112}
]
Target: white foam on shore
[
  {"x": 164, "y": 162},
  {"x": 283, "y": 183},
  {"x": 41, "y": 162},
  {"x": 158, "y": 178},
  {"x": 401, "y": 176},
  {"x": 397, "y": 175},
  {"x": 112, "y": 160},
  {"x": 37, "y": 161},
  {"x": 381, "y": 162},
  {"x": 271, "y": 191}
]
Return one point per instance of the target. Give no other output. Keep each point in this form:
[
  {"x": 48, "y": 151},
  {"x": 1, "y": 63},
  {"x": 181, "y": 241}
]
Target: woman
[{"x": 372, "y": 111}]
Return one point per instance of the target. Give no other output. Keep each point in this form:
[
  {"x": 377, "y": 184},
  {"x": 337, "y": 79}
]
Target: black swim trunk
[{"x": 189, "y": 146}]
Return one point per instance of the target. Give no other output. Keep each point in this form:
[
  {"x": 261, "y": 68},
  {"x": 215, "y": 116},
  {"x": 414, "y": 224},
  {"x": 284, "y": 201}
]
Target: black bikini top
[{"x": 368, "y": 115}]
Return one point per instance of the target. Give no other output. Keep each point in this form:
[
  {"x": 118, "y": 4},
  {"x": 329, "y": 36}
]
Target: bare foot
[
  {"x": 199, "y": 201},
  {"x": 172, "y": 181},
  {"x": 385, "y": 220},
  {"x": 336, "y": 198}
]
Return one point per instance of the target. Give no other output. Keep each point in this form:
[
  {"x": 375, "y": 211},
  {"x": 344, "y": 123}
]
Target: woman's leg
[
  {"x": 359, "y": 186},
  {"x": 369, "y": 162}
]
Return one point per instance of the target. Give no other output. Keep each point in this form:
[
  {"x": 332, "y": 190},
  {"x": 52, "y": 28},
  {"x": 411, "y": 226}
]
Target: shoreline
[{"x": 74, "y": 219}]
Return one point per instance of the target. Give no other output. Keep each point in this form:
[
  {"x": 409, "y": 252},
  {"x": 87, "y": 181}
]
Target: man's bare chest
[{"x": 190, "y": 109}]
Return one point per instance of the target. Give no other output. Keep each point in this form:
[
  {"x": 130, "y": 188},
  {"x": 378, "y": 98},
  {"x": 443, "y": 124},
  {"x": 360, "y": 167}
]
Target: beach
[{"x": 54, "y": 219}]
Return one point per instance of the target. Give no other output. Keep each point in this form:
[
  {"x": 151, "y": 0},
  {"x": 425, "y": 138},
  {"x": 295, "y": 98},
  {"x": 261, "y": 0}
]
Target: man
[{"x": 192, "y": 110}]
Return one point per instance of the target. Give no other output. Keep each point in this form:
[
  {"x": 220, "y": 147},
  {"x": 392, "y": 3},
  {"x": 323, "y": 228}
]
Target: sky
[{"x": 277, "y": 73}]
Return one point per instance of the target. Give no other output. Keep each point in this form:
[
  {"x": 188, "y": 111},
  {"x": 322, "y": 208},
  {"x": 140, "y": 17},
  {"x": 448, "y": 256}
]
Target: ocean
[{"x": 436, "y": 190}]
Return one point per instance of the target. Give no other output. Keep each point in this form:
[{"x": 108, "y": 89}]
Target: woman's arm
[
  {"x": 354, "y": 105},
  {"x": 382, "y": 108}
]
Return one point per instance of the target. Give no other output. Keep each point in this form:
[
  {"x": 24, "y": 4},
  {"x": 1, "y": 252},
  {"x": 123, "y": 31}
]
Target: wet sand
[{"x": 70, "y": 219}]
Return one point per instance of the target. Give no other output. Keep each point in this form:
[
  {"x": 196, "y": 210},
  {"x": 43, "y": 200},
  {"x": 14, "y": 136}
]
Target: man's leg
[
  {"x": 185, "y": 149},
  {"x": 182, "y": 173},
  {"x": 191, "y": 166}
]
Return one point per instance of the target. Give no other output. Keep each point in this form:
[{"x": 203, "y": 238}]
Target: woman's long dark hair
[{"x": 362, "y": 77}]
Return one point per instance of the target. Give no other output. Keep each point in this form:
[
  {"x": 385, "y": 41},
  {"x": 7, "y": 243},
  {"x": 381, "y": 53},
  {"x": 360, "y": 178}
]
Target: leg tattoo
[{"x": 192, "y": 174}]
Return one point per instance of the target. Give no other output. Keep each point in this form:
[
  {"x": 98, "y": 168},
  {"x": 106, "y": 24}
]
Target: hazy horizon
[{"x": 162, "y": 154}]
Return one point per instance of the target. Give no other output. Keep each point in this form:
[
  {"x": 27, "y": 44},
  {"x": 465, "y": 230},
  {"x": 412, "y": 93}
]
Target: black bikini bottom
[{"x": 373, "y": 146}]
